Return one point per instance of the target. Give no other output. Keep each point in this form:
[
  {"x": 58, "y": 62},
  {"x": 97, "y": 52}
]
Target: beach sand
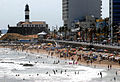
[
  {"x": 83, "y": 63},
  {"x": 103, "y": 63}
]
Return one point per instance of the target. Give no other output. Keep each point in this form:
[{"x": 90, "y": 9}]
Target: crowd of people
[{"x": 79, "y": 55}]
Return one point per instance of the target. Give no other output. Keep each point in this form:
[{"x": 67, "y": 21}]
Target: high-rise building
[
  {"x": 74, "y": 10},
  {"x": 114, "y": 18},
  {"x": 115, "y": 12}
]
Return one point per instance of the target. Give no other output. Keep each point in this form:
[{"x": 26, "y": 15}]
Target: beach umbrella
[
  {"x": 65, "y": 50},
  {"x": 99, "y": 50},
  {"x": 111, "y": 57},
  {"x": 105, "y": 50},
  {"x": 75, "y": 52},
  {"x": 52, "y": 48},
  {"x": 117, "y": 58},
  {"x": 73, "y": 49},
  {"x": 111, "y": 54},
  {"x": 81, "y": 48},
  {"x": 49, "y": 44}
]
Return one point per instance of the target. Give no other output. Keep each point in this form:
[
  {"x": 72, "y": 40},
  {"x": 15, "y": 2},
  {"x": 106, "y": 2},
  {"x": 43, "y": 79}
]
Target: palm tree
[
  {"x": 86, "y": 33},
  {"x": 105, "y": 30},
  {"x": 65, "y": 29},
  {"x": 99, "y": 31},
  {"x": 55, "y": 32},
  {"x": 60, "y": 29}
]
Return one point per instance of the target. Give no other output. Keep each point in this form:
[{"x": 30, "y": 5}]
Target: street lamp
[{"x": 111, "y": 19}]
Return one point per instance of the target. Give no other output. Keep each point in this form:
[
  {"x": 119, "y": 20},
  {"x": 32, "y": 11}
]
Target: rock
[{"x": 28, "y": 65}]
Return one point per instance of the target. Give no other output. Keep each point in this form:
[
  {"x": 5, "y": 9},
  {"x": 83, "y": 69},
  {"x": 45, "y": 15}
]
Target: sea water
[{"x": 12, "y": 69}]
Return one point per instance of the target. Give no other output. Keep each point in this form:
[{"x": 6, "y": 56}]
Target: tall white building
[{"x": 74, "y": 10}]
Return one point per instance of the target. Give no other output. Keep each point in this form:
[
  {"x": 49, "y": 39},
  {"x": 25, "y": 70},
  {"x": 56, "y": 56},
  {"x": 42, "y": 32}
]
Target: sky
[{"x": 12, "y": 11}]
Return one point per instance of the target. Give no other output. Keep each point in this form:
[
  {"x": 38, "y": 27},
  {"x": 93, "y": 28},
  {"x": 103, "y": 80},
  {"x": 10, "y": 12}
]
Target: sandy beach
[
  {"x": 103, "y": 63},
  {"x": 45, "y": 66},
  {"x": 109, "y": 74}
]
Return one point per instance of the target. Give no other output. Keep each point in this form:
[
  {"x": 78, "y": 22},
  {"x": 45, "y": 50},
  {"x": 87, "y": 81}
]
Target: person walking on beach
[
  {"x": 116, "y": 73},
  {"x": 49, "y": 53},
  {"x": 65, "y": 70},
  {"x": 52, "y": 53},
  {"x": 54, "y": 71},
  {"x": 78, "y": 72},
  {"x": 61, "y": 71},
  {"x": 46, "y": 72},
  {"x": 75, "y": 72},
  {"x": 101, "y": 74},
  {"x": 114, "y": 78},
  {"x": 108, "y": 67}
]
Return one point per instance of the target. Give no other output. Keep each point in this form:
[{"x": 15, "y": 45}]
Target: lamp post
[{"x": 111, "y": 19}]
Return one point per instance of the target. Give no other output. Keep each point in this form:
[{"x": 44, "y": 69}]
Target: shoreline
[{"x": 82, "y": 62}]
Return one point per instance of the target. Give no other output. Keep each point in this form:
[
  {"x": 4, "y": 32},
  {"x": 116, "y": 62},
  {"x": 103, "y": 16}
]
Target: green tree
[{"x": 60, "y": 29}]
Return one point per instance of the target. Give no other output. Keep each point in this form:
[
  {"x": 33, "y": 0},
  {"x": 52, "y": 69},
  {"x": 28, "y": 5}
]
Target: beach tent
[{"x": 42, "y": 33}]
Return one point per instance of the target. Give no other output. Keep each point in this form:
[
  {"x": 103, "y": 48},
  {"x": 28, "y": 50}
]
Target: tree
[
  {"x": 65, "y": 31},
  {"x": 55, "y": 32},
  {"x": 60, "y": 29},
  {"x": 86, "y": 33}
]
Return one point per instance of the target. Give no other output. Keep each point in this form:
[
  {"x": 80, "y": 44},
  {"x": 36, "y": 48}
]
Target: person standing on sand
[
  {"x": 49, "y": 53},
  {"x": 52, "y": 53},
  {"x": 119, "y": 62},
  {"x": 91, "y": 62},
  {"x": 87, "y": 62}
]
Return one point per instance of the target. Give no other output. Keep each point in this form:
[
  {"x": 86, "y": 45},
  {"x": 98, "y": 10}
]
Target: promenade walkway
[{"x": 85, "y": 44}]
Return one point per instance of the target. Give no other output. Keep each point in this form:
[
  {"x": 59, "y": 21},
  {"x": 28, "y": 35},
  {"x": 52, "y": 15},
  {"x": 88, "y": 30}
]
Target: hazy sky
[{"x": 12, "y": 11}]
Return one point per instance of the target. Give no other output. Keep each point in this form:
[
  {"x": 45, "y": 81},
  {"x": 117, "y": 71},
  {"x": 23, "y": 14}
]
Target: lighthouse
[
  {"x": 27, "y": 13},
  {"x": 28, "y": 27}
]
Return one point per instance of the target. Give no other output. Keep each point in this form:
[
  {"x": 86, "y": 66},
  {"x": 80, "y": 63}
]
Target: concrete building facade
[
  {"x": 115, "y": 11},
  {"x": 76, "y": 10}
]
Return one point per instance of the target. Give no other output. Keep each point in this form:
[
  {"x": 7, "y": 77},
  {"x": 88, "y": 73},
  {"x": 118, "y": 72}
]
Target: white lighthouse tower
[{"x": 27, "y": 13}]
